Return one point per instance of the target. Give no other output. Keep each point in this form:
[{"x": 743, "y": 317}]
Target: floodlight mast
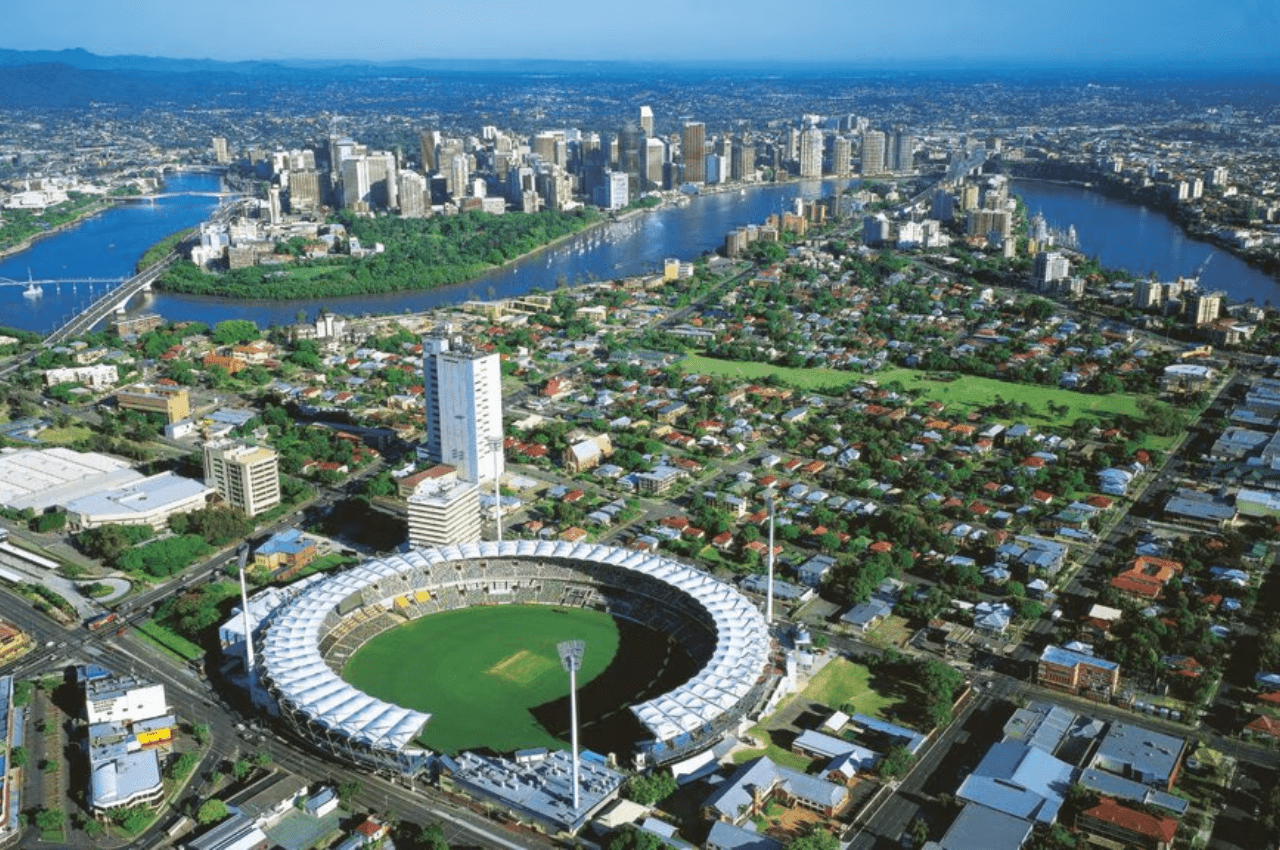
[
  {"x": 244, "y": 615},
  {"x": 495, "y": 446},
  {"x": 768, "y": 597},
  {"x": 570, "y": 652}
]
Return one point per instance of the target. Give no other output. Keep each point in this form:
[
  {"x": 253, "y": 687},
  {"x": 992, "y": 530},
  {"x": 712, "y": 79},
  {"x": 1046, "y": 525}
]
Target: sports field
[
  {"x": 964, "y": 394},
  {"x": 480, "y": 672}
]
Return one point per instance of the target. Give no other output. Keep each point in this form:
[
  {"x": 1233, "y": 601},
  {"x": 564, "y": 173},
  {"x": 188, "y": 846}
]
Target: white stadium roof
[{"x": 292, "y": 663}]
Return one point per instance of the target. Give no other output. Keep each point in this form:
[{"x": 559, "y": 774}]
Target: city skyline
[{"x": 1243, "y": 34}]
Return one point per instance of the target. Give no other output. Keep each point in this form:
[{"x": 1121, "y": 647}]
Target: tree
[
  {"x": 817, "y": 839},
  {"x": 235, "y": 331},
  {"x": 630, "y": 838},
  {"x": 18, "y": 756},
  {"x": 211, "y": 811},
  {"x": 50, "y": 819},
  {"x": 348, "y": 790},
  {"x": 648, "y": 789},
  {"x": 201, "y": 733},
  {"x": 897, "y": 762},
  {"x": 431, "y": 837}
]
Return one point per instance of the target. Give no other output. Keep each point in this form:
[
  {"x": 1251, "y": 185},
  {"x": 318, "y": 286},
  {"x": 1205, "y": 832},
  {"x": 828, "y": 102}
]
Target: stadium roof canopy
[{"x": 293, "y": 665}]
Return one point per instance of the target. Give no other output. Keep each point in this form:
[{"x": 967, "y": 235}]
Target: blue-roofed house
[
  {"x": 753, "y": 785},
  {"x": 1140, "y": 754},
  {"x": 1019, "y": 780},
  {"x": 726, "y": 836},
  {"x": 980, "y": 828}
]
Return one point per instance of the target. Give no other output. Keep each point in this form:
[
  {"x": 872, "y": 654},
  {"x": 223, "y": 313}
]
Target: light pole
[
  {"x": 495, "y": 446},
  {"x": 570, "y": 652},
  {"x": 768, "y": 597}
]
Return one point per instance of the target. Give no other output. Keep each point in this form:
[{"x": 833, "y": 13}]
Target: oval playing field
[
  {"x": 481, "y": 672},
  {"x": 453, "y": 648}
]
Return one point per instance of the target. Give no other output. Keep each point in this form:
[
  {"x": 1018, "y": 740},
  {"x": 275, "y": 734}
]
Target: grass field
[
  {"x": 842, "y": 682},
  {"x": 825, "y": 380},
  {"x": 65, "y": 436},
  {"x": 963, "y": 395},
  {"x": 169, "y": 640},
  {"x": 480, "y": 671}
]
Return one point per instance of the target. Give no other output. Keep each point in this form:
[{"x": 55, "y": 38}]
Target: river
[
  {"x": 1139, "y": 240},
  {"x": 108, "y": 245},
  {"x": 104, "y": 246}
]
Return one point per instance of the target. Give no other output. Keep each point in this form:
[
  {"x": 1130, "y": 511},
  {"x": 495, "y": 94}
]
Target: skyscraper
[
  {"x": 902, "y": 155},
  {"x": 646, "y": 120},
  {"x": 841, "y": 156},
  {"x": 811, "y": 152},
  {"x": 462, "y": 392},
  {"x": 693, "y": 147},
  {"x": 742, "y": 165},
  {"x": 427, "y": 150},
  {"x": 655, "y": 154},
  {"x": 220, "y": 154},
  {"x": 873, "y": 144}
]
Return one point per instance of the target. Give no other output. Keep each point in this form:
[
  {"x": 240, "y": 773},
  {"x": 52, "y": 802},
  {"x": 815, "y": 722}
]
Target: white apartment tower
[
  {"x": 462, "y": 391},
  {"x": 247, "y": 477}
]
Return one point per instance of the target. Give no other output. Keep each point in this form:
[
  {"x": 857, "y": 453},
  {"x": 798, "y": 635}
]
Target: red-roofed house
[
  {"x": 1118, "y": 825},
  {"x": 1263, "y": 725},
  {"x": 1147, "y": 577}
]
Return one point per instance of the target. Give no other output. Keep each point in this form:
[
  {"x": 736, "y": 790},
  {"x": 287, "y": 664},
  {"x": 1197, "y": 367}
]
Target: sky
[{"x": 1159, "y": 33}]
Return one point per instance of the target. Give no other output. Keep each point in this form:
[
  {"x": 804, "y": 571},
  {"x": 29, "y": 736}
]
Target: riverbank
[
  {"x": 1150, "y": 198},
  {"x": 26, "y": 244},
  {"x": 339, "y": 277}
]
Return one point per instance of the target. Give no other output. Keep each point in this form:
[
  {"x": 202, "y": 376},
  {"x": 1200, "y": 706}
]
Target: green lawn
[
  {"x": 479, "y": 671},
  {"x": 965, "y": 394},
  {"x": 842, "y": 682},
  {"x": 826, "y": 380},
  {"x": 169, "y": 641},
  {"x": 65, "y": 436}
]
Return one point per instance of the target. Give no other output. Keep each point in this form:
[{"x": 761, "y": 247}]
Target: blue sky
[{"x": 1088, "y": 32}]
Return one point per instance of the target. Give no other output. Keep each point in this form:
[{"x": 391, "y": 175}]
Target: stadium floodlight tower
[
  {"x": 495, "y": 446},
  {"x": 768, "y": 597},
  {"x": 570, "y": 652},
  {"x": 244, "y": 615}
]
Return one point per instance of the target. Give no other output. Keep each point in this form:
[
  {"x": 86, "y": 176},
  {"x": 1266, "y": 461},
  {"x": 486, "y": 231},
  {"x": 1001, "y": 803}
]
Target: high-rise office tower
[
  {"x": 629, "y": 142},
  {"x": 742, "y": 165},
  {"x": 355, "y": 183},
  {"x": 459, "y": 172},
  {"x": 220, "y": 154},
  {"x": 304, "y": 191},
  {"x": 615, "y": 192},
  {"x": 693, "y": 148},
  {"x": 383, "y": 189},
  {"x": 655, "y": 155},
  {"x": 246, "y": 477},
  {"x": 842, "y": 156},
  {"x": 873, "y": 144},
  {"x": 544, "y": 147},
  {"x": 427, "y": 141},
  {"x": 811, "y": 152},
  {"x": 646, "y": 120},
  {"x": 462, "y": 392},
  {"x": 415, "y": 201},
  {"x": 902, "y": 154}
]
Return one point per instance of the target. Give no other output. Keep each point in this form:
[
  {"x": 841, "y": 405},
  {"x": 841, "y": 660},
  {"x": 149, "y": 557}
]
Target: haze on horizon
[{"x": 1243, "y": 34}]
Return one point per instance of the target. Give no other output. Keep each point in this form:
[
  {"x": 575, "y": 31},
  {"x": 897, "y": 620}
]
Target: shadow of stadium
[{"x": 648, "y": 663}]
